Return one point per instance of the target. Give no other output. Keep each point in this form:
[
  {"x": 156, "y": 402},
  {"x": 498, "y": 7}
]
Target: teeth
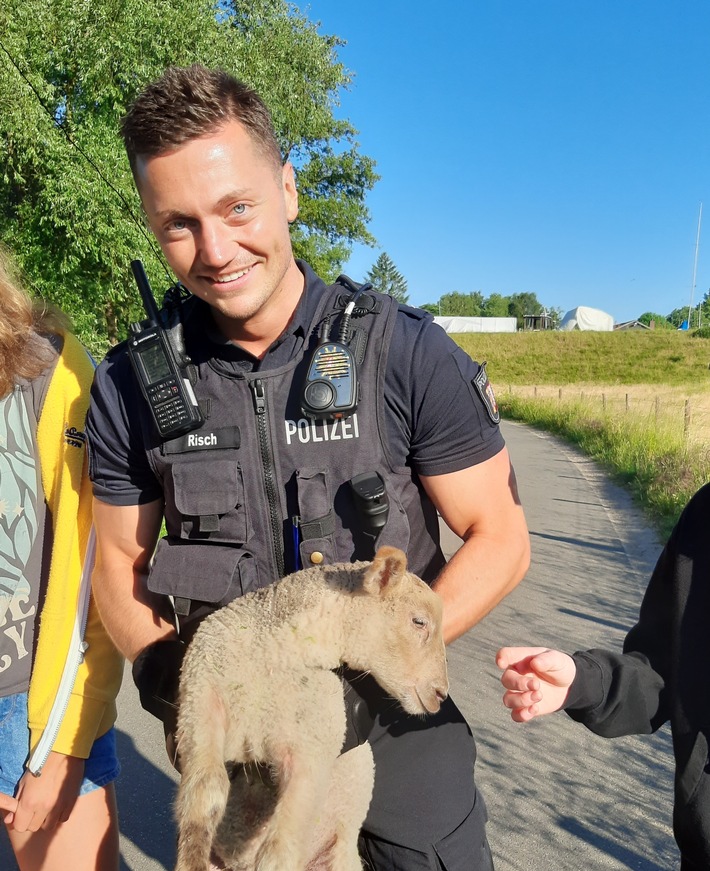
[{"x": 232, "y": 276}]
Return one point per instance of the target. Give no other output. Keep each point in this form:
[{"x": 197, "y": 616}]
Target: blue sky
[{"x": 557, "y": 146}]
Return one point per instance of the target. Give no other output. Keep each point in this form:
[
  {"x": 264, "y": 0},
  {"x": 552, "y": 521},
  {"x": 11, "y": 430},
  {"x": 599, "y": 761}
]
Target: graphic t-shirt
[{"x": 25, "y": 532}]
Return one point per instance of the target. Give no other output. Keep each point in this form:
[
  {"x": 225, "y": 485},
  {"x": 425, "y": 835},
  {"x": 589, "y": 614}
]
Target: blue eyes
[{"x": 179, "y": 224}]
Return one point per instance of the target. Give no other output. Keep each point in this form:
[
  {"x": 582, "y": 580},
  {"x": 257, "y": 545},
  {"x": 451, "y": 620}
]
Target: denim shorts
[{"x": 100, "y": 768}]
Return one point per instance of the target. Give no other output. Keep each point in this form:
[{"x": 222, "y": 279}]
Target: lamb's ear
[{"x": 387, "y": 569}]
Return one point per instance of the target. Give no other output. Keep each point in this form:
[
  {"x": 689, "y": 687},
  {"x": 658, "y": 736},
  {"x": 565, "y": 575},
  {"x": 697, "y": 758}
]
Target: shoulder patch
[{"x": 484, "y": 389}]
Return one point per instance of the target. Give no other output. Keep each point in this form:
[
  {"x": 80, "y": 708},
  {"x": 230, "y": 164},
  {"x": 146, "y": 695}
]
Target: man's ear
[{"x": 290, "y": 191}]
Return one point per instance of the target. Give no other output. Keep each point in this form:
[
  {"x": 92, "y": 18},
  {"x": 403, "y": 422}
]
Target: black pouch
[
  {"x": 206, "y": 572},
  {"x": 210, "y": 498}
]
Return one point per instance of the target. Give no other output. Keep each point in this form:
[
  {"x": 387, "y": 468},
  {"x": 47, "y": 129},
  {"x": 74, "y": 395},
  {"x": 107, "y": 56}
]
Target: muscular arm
[
  {"x": 126, "y": 537},
  {"x": 481, "y": 505}
]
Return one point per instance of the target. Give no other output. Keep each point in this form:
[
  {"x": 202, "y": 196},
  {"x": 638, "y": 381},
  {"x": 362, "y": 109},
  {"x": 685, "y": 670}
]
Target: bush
[{"x": 701, "y": 333}]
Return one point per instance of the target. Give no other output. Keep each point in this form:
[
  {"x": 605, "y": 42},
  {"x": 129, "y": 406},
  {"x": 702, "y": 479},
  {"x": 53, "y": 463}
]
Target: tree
[
  {"x": 521, "y": 304},
  {"x": 385, "y": 278},
  {"x": 495, "y": 306},
  {"x": 678, "y": 315},
  {"x": 660, "y": 321},
  {"x": 69, "y": 69},
  {"x": 555, "y": 314},
  {"x": 462, "y": 304}
]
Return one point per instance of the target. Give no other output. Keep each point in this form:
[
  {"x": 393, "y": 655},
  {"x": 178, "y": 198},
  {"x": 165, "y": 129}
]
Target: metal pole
[{"x": 695, "y": 269}]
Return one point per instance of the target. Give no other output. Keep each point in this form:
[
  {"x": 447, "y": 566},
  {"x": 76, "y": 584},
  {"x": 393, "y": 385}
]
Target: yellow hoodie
[{"x": 88, "y": 709}]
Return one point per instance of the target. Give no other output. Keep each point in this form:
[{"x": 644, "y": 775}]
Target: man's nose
[{"x": 218, "y": 244}]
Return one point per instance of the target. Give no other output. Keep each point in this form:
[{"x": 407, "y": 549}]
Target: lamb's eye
[{"x": 420, "y": 622}]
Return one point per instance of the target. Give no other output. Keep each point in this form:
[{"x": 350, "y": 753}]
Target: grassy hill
[
  {"x": 583, "y": 358},
  {"x": 624, "y": 403}
]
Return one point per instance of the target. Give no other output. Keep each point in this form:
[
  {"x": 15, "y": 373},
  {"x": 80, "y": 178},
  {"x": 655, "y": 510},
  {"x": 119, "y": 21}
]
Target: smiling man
[
  {"x": 264, "y": 487},
  {"x": 220, "y": 206}
]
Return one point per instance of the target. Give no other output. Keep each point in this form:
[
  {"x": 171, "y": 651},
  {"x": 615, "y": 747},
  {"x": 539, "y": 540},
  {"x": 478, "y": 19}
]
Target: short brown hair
[{"x": 186, "y": 103}]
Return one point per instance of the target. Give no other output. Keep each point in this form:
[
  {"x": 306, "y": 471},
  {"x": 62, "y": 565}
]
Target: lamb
[{"x": 257, "y": 693}]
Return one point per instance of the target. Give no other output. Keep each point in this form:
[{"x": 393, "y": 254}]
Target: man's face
[{"x": 220, "y": 211}]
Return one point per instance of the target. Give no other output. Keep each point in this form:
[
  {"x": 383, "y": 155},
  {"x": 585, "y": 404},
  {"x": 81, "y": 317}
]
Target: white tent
[
  {"x": 454, "y": 324},
  {"x": 585, "y": 318}
]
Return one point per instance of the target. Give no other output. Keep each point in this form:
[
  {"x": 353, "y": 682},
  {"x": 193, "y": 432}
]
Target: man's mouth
[{"x": 233, "y": 276}]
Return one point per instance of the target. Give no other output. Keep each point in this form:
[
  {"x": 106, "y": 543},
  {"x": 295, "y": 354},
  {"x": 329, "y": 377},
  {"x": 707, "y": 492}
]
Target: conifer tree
[{"x": 386, "y": 278}]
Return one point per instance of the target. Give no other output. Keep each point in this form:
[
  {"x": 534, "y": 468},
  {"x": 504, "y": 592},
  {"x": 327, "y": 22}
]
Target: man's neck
[{"x": 258, "y": 333}]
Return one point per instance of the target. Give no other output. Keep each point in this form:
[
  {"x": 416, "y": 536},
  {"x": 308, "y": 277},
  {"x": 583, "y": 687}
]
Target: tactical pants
[{"x": 465, "y": 849}]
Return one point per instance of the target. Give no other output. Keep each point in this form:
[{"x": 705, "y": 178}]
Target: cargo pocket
[
  {"x": 467, "y": 846},
  {"x": 316, "y": 518},
  {"x": 202, "y": 572},
  {"x": 689, "y": 779},
  {"x": 209, "y": 495}
]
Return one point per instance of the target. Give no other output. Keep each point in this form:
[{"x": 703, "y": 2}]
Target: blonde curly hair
[{"x": 23, "y": 320}]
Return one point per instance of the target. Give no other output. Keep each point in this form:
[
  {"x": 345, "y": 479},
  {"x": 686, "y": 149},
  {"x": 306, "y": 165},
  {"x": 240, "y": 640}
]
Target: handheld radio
[
  {"x": 331, "y": 389},
  {"x": 160, "y": 368}
]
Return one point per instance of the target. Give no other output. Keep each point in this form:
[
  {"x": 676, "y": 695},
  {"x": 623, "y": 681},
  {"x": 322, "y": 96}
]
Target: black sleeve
[
  {"x": 118, "y": 435},
  {"x": 631, "y": 692},
  {"x": 616, "y": 694},
  {"x": 437, "y": 419}
]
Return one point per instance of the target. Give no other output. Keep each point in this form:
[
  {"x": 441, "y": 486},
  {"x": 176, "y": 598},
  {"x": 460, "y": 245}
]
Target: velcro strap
[
  {"x": 358, "y": 345},
  {"x": 321, "y": 527},
  {"x": 181, "y": 605},
  {"x": 209, "y": 523}
]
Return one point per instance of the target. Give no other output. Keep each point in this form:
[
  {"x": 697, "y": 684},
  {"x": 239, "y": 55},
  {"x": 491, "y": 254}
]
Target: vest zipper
[{"x": 267, "y": 463}]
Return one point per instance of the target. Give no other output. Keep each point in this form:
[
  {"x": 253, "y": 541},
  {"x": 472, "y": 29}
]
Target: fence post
[
  {"x": 658, "y": 407},
  {"x": 686, "y": 421},
  {"x": 603, "y": 401},
  {"x": 627, "y": 401},
  {"x": 559, "y": 395},
  {"x": 535, "y": 392}
]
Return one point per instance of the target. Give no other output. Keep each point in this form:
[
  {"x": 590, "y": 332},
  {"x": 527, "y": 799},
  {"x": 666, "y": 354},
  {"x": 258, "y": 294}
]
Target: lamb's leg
[
  {"x": 349, "y": 797},
  {"x": 204, "y": 786},
  {"x": 303, "y": 790},
  {"x": 253, "y": 795}
]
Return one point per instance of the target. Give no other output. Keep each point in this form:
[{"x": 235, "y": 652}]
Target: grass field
[
  {"x": 667, "y": 357},
  {"x": 638, "y": 401}
]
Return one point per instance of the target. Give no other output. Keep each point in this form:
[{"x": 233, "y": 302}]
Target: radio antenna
[{"x": 146, "y": 295}]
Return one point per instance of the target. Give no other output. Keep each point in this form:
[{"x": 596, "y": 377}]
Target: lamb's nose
[{"x": 442, "y": 692}]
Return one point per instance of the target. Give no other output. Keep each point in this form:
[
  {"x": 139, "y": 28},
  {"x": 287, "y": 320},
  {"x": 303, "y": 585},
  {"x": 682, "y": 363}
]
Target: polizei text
[{"x": 305, "y": 430}]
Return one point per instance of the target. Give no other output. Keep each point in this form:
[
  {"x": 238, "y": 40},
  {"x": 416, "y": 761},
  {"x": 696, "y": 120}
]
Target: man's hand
[
  {"x": 45, "y": 801},
  {"x": 536, "y": 679},
  {"x": 156, "y": 673}
]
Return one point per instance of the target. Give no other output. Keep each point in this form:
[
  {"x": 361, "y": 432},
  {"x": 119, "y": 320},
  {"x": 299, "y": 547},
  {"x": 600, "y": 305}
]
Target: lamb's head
[{"x": 403, "y": 648}]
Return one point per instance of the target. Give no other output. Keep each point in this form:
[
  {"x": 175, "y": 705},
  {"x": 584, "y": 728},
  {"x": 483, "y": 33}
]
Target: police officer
[{"x": 262, "y": 488}]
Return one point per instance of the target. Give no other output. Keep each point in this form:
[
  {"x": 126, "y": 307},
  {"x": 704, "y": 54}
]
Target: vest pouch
[
  {"x": 204, "y": 572},
  {"x": 396, "y": 531},
  {"x": 209, "y": 494},
  {"x": 317, "y": 518}
]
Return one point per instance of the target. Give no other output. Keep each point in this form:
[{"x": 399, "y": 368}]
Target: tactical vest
[{"x": 260, "y": 489}]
